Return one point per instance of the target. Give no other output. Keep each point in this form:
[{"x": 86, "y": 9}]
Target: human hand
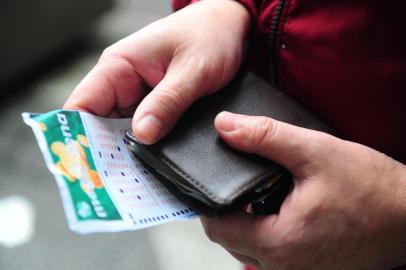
[
  {"x": 347, "y": 209},
  {"x": 184, "y": 56}
]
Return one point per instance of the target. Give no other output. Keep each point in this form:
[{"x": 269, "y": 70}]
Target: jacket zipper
[{"x": 272, "y": 40}]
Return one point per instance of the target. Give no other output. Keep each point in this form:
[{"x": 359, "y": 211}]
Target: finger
[
  {"x": 244, "y": 259},
  {"x": 112, "y": 85},
  {"x": 291, "y": 146},
  {"x": 116, "y": 84},
  {"x": 160, "y": 109},
  {"x": 240, "y": 232}
]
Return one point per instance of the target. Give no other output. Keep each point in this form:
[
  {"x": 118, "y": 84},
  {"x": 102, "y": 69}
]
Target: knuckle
[
  {"x": 324, "y": 139},
  {"x": 198, "y": 70},
  {"x": 170, "y": 100},
  {"x": 109, "y": 53},
  {"x": 233, "y": 243},
  {"x": 262, "y": 130},
  {"x": 322, "y": 143},
  {"x": 202, "y": 67},
  {"x": 112, "y": 55}
]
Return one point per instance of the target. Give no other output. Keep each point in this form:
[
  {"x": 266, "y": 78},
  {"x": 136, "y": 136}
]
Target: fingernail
[
  {"x": 227, "y": 121},
  {"x": 150, "y": 127}
]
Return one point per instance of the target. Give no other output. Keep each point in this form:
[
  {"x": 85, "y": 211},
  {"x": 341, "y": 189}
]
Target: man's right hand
[{"x": 182, "y": 57}]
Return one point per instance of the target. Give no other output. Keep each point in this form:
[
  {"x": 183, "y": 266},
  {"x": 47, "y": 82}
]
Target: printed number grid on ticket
[{"x": 104, "y": 188}]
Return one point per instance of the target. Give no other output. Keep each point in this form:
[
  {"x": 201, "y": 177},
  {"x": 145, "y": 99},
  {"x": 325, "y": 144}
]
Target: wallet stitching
[
  {"x": 253, "y": 183},
  {"x": 203, "y": 188},
  {"x": 196, "y": 183}
]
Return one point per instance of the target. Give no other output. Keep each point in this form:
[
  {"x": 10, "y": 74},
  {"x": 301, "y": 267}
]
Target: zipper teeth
[{"x": 272, "y": 40}]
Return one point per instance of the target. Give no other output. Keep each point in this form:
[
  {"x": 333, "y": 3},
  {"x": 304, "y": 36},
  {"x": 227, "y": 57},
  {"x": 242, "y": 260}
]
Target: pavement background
[{"x": 178, "y": 245}]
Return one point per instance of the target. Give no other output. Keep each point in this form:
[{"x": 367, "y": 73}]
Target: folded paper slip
[{"x": 202, "y": 170}]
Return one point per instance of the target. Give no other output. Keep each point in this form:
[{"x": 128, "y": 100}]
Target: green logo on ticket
[{"x": 68, "y": 147}]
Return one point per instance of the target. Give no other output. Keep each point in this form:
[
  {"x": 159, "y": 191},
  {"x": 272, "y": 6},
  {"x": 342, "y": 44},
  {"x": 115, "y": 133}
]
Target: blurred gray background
[{"x": 46, "y": 47}]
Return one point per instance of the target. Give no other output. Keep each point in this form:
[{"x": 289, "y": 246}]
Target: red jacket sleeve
[
  {"x": 178, "y": 4},
  {"x": 250, "y": 5}
]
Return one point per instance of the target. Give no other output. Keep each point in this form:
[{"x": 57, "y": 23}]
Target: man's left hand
[{"x": 347, "y": 209}]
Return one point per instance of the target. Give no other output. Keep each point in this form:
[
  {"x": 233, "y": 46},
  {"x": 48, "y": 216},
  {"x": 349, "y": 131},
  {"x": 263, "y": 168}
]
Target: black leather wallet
[{"x": 201, "y": 170}]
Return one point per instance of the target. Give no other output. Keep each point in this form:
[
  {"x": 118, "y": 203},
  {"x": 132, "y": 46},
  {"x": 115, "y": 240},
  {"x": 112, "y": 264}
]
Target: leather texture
[{"x": 194, "y": 162}]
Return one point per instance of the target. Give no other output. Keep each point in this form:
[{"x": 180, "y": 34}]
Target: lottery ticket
[{"x": 104, "y": 188}]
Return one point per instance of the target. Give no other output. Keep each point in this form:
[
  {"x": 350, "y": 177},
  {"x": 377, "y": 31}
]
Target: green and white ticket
[{"x": 104, "y": 188}]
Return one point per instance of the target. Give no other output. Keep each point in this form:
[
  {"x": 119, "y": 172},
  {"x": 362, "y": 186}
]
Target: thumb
[
  {"x": 161, "y": 108},
  {"x": 293, "y": 147}
]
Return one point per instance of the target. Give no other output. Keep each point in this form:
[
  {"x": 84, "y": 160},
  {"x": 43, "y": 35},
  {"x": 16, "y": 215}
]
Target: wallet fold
[{"x": 195, "y": 164}]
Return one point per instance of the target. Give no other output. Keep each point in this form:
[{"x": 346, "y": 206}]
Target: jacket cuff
[
  {"x": 250, "y": 5},
  {"x": 179, "y": 4}
]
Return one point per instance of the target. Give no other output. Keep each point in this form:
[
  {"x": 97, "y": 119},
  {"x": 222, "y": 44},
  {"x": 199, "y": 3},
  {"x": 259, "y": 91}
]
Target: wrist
[{"x": 236, "y": 17}]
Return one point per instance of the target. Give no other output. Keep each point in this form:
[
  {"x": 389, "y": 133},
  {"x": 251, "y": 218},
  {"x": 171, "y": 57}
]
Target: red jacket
[{"x": 344, "y": 59}]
